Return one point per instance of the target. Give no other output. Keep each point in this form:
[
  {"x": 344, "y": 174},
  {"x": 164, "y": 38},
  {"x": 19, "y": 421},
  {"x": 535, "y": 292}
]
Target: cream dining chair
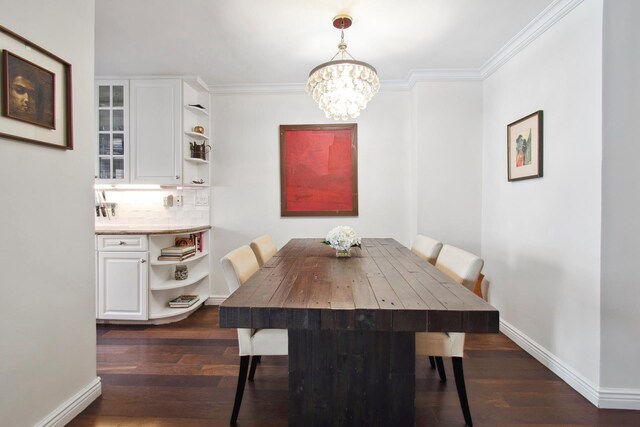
[
  {"x": 426, "y": 248},
  {"x": 237, "y": 267},
  {"x": 264, "y": 248},
  {"x": 464, "y": 268}
]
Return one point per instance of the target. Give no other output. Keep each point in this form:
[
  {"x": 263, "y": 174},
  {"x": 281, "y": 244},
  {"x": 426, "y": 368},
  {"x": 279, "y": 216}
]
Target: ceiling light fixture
[{"x": 342, "y": 87}]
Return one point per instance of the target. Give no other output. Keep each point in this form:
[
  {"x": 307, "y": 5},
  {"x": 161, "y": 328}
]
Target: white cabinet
[
  {"x": 155, "y": 131},
  {"x": 145, "y": 130},
  {"x": 123, "y": 285},
  {"x": 112, "y": 119},
  {"x": 133, "y": 285}
]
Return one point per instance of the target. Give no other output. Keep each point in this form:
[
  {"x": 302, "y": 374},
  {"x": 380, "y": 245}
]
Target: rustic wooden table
[{"x": 352, "y": 324}]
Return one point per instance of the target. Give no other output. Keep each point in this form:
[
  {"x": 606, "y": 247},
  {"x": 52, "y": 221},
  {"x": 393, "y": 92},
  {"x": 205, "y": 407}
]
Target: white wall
[
  {"x": 448, "y": 123},
  {"x": 620, "y": 196},
  {"x": 246, "y": 171},
  {"x": 47, "y": 321},
  {"x": 541, "y": 237}
]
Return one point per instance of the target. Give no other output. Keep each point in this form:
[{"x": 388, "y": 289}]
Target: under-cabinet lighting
[{"x": 126, "y": 187}]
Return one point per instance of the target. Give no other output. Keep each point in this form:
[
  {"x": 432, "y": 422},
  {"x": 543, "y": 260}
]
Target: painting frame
[
  {"x": 30, "y": 71},
  {"x": 342, "y": 180},
  {"x": 524, "y": 147}
]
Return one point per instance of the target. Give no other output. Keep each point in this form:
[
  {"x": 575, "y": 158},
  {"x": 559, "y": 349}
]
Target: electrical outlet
[
  {"x": 202, "y": 199},
  {"x": 178, "y": 200}
]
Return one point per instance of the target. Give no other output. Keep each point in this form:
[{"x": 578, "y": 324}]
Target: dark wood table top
[{"x": 383, "y": 286}]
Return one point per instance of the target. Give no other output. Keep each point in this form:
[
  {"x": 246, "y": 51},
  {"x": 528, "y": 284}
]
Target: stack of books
[
  {"x": 177, "y": 253},
  {"x": 184, "y": 301}
]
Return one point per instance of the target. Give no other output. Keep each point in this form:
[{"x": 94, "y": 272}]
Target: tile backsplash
[{"x": 138, "y": 207}]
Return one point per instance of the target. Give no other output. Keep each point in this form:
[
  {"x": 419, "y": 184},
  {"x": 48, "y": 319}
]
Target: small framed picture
[{"x": 524, "y": 147}]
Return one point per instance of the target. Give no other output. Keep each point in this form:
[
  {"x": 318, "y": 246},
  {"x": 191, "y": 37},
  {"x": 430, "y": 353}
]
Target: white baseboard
[
  {"x": 216, "y": 299},
  {"x": 602, "y": 397},
  {"x": 619, "y": 398},
  {"x": 551, "y": 361},
  {"x": 64, "y": 413}
]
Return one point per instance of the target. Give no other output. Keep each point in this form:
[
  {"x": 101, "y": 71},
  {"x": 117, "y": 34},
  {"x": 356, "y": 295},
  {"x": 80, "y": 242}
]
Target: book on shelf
[
  {"x": 184, "y": 301},
  {"x": 177, "y": 250},
  {"x": 177, "y": 257}
]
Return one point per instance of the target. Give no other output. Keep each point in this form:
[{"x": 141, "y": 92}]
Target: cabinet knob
[
  {"x": 143, "y": 261},
  {"x": 177, "y": 176},
  {"x": 122, "y": 243}
]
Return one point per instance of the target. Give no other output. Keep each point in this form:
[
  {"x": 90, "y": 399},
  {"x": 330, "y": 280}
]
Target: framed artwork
[
  {"x": 319, "y": 170},
  {"x": 35, "y": 89},
  {"x": 524, "y": 147}
]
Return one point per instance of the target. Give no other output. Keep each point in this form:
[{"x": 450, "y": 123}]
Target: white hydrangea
[{"x": 342, "y": 238}]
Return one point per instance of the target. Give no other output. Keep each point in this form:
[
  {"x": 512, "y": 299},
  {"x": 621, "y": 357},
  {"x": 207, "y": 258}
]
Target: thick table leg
[{"x": 351, "y": 378}]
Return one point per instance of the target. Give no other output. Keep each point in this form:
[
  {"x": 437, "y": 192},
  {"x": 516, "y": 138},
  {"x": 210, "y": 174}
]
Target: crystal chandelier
[{"x": 342, "y": 87}]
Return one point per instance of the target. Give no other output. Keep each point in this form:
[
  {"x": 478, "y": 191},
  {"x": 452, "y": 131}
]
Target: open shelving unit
[
  {"x": 195, "y": 171},
  {"x": 163, "y": 287}
]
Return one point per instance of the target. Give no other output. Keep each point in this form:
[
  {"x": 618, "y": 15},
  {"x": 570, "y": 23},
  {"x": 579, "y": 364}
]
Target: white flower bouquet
[{"x": 343, "y": 238}]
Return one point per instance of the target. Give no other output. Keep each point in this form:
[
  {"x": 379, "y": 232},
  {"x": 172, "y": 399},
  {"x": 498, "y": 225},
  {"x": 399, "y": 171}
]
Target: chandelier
[{"x": 342, "y": 87}]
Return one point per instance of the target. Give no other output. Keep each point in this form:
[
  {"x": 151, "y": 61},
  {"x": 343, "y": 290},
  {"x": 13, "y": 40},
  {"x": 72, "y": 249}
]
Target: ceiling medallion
[{"x": 342, "y": 87}]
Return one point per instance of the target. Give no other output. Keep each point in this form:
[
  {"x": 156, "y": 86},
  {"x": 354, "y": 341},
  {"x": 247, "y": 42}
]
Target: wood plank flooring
[{"x": 184, "y": 374}]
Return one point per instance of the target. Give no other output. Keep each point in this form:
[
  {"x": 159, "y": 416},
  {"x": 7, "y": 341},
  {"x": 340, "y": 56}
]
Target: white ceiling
[{"x": 249, "y": 42}]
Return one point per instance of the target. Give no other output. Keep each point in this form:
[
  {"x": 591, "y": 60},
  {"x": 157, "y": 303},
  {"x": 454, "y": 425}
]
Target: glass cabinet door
[{"x": 112, "y": 117}]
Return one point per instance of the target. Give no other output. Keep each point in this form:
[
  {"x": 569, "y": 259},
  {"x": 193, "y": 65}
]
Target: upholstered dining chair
[
  {"x": 237, "y": 267},
  {"x": 464, "y": 268},
  {"x": 426, "y": 248},
  {"x": 264, "y": 248}
]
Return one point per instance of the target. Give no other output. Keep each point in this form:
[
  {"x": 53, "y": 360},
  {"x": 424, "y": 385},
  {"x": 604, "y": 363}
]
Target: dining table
[{"x": 351, "y": 325}]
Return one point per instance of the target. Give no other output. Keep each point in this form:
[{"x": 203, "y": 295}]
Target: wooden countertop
[{"x": 148, "y": 229}]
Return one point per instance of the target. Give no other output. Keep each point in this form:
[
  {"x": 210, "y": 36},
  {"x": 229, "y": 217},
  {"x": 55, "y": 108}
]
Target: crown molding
[
  {"x": 414, "y": 76},
  {"x": 534, "y": 29},
  {"x": 254, "y": 89}
]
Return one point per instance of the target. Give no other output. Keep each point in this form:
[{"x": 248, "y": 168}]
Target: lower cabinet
[
  {"x": 122, "y": 285},
  {"x": 133, "y": 285}
]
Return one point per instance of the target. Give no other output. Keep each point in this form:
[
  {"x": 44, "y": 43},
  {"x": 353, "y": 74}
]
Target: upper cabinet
[
  {"x": 153, "y": 131},
  {"x": 112, "y": 118},
  {"x": 155, "y": 111}
]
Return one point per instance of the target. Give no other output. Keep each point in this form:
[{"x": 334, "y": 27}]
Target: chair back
[
  {"x": 461, "y": 266},
  {"x": 238, "y": 266},
  {"x": 426, "y": 248},
  {"x": 264, "y": 248}
]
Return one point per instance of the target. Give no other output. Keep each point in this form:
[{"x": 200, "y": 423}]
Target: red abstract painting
[{"x": 318, "y": 170}]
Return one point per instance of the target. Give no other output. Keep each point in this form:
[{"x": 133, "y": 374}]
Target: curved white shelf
[
  {"x": 196, "y": 161},
  {"x": 196, "y": 135},
  {"x": 199, "y": 255},
  {"x": 199, "y": 111},
  {"x": 172, "y": 284},
  {"x": 171, "y": 312}
]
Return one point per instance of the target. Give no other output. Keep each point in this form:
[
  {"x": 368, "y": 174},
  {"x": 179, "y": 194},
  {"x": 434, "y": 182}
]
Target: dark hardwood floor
[{"x": 184, "y": 374}]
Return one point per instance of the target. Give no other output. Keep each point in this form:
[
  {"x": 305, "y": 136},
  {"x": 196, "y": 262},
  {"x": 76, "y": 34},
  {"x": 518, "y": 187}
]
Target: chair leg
[
  {"x": 242, "y": 379},
  {"x": 440, "y": 365},
  {"x": 254, "y": 364},
  {"x": 462, "y": 391},
  {"x": 432, "y": 362}
]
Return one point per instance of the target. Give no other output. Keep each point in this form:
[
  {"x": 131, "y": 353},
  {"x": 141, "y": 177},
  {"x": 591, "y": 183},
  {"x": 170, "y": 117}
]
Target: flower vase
[{"x": 343, "y": 253}]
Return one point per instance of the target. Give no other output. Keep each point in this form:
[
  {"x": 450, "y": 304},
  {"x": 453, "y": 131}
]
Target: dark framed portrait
[
  {"x": 29, "y": 91},
  {"x": 35, "y": 92},
  {"x": 319, "y": 170}
]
